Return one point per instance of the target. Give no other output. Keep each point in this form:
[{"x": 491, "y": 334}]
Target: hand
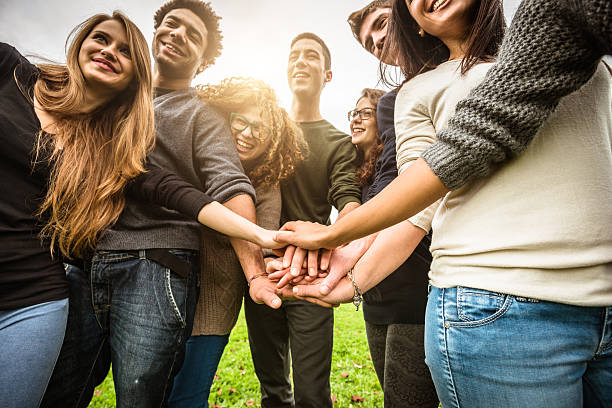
[
  {"x": 277, "y": 272},
  {"x": 343, "y": 292},
  {"x": 265, "y": 239},
  {"x": 307, "y": 235},
  {"x": 298, "y": 258},
  {"x": 341, "y": 261},
  {"x": 263, "y": 290}
]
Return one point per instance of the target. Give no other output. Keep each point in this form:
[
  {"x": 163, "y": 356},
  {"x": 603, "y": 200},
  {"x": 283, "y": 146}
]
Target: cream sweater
[
  {"x": 422, "y": 108},
  {"x": 541, "y": 226}
]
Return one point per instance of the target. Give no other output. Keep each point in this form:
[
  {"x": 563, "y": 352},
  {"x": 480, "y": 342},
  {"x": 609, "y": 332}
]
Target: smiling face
[
  {"x": 373, "y": 32},
  {"x": 179, "y": 44},
  {"x": 105, "y": 60},
  {"x": 448, "y": 20},
  {"x": 250, "y": 149},
  {"x": 364, "y": 133},
  {"x": 306, "y": 71}
]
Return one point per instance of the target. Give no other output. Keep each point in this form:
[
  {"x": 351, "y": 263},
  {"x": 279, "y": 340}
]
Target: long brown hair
[
  {"x": 365, "y": 171},
  {"x": 287, "y": 146},
  {"x": 92, "y": 155},
  {"x": 416, "y": 54}
]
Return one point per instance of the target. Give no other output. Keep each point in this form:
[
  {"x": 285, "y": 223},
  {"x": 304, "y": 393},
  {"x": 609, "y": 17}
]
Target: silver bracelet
[{"x": 358, "y": 296}]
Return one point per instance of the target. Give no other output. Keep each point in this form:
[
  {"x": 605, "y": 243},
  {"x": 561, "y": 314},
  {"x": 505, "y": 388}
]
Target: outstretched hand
[{"x": 342, "y": 293}]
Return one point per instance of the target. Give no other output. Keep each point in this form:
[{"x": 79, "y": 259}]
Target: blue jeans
[
  {"x": 486, "y": 349},
  {"x": 192, "y": 384},
  {"x": 134, "y": 313},
  {"x": 30, "y": 341}
]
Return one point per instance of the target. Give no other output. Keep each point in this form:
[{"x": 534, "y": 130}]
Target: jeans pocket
[
  {"x": 176, "y": 292},
  {"x": 477, "y": 307}
]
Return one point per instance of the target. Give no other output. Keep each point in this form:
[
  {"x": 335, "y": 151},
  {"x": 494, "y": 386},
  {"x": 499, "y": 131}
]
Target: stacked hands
[{"x": 308, "y": 266}]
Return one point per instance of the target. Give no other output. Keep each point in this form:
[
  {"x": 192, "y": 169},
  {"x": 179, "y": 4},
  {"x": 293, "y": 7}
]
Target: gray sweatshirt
[
  {"x": 551, "y": 49},
  {"x": 193, "y": 141}
]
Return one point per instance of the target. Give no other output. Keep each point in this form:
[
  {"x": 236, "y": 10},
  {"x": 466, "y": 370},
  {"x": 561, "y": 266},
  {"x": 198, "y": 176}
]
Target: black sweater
[
  {"x": 402, "y": 296},
  {"x": 28, "y": 274}
]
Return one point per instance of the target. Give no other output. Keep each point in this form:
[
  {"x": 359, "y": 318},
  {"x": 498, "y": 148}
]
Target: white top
[
  {"x": 422, "y": 108},
  {"x": 541, "y": 226}
]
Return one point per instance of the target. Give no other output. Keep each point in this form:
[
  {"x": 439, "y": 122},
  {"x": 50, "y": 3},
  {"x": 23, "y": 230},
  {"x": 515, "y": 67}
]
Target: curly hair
[
  {"x": 365, "y": 171},
  {"x": 208, "y": 17},
  {"x": 287, "y": 144}
]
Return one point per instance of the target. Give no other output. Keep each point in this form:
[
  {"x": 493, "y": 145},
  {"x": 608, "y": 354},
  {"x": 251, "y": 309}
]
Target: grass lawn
[{"x": 353, "y": 380}]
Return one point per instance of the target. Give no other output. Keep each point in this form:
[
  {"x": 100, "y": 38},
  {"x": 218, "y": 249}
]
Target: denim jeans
[
  {"x": 192, "y": 384},
  {"x": 133, "y": 313},
  {"x": 486, "y": 349},
  {"x": 30, "y": 341}
]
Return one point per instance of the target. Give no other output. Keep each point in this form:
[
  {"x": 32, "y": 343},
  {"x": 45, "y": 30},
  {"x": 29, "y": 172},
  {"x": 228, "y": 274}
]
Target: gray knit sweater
[
  {"x": 195, "y": 143},
  {"x": 551, "y": 49}
]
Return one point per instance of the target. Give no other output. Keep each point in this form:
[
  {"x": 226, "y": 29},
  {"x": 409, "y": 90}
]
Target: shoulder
[{"x": 11, "y": 58}]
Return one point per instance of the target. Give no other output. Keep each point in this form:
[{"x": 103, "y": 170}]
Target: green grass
[{"x": 352, "y": 374}]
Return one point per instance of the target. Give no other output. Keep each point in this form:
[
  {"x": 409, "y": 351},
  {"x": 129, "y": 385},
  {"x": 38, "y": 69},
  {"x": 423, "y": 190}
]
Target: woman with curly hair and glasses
[{"x": 269, "y": 145}]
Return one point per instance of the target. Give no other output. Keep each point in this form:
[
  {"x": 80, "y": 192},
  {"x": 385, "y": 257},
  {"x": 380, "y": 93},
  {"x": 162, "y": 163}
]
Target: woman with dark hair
[
  {"x": 269, "y": 145},
  {"x": 393, "y": 310},
  {"x": 519, "y": 308}
]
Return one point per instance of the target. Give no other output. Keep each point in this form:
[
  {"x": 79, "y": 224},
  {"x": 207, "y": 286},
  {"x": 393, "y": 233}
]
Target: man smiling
[{"x": 327, "y": 177}]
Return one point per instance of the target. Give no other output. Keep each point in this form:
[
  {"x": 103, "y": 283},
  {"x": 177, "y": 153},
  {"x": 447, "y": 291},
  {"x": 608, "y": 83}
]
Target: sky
[{"x": 257, "y": 36}]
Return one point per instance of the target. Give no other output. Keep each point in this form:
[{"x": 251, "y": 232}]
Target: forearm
[
  {"x": 249, "y": 254},
  {"x": 409, "y": 193},
  {"x": 390, "y": 249},
  {"x": 348, "y": 208},
  {"x": 226, "y": 221}
]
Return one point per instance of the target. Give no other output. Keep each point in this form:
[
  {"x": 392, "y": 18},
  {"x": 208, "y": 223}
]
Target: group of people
[{"x": 138, "y": 211}]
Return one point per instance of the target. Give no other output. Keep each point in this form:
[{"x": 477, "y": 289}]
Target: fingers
[
  {"x": 325, "y": 257},
  {"x": 288, "y": 278},
  {"x": 297, "y": 261},
  {"x": 288, "y": 256},
  {"x": 274, "y": 266},
  {"x": 313, "y": 260}
]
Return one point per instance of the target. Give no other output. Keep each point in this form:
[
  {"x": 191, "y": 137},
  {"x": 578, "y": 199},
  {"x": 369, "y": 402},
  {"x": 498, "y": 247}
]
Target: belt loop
[{"x": 142, "y": 254}]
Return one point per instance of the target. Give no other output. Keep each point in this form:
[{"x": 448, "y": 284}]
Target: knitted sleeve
[{"x": 551, "y": 49}]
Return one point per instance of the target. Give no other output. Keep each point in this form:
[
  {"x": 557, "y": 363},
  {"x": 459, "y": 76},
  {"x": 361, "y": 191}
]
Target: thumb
[
  {"x": 283, "y": 237},
  {"x": 271, "y": 300}
]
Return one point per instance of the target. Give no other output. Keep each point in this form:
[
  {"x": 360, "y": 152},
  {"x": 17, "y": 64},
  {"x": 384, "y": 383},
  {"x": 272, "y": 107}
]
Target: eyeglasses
[
  {"x": 364, "y": 114},
  {"x": 240, "y": 123}
]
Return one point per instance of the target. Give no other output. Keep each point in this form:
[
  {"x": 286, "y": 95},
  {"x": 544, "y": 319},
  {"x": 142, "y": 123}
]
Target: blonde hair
[
  {"x": 92, "y": 155},
  {"x": 287, "y": 144}
]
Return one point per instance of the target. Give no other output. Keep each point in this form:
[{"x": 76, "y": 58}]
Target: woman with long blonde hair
[
  {"x": 73, "y": 136},
  {"x": 269, "y": 145}
]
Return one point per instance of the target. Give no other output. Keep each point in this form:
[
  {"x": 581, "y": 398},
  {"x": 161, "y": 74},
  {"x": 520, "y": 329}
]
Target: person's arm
[
  {"x": 166, "y": 189},
  {"x": 250, "y": 256}
]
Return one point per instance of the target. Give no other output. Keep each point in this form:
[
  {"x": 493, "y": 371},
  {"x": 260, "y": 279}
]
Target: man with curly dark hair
[{"x": 148, "y": 262}]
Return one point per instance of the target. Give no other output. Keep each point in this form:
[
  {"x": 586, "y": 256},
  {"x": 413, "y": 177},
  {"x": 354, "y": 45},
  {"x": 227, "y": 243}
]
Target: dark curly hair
[{"x": 208, "y": 17}]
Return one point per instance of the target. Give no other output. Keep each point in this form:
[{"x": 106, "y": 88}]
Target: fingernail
[
  {"x": 294, "y": 271},
  {"x": 286, "y": 263},
  {"x": 313, "y": 272},
  {"x": 275, "y": 302},
  {"x": 324, "y": 289},
  {"x": 295, "y": 290}
]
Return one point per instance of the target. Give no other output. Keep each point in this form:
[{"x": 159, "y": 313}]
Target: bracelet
[
  {"x": 252, "y": 278},
  {"x": 358, "y": 296}
]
